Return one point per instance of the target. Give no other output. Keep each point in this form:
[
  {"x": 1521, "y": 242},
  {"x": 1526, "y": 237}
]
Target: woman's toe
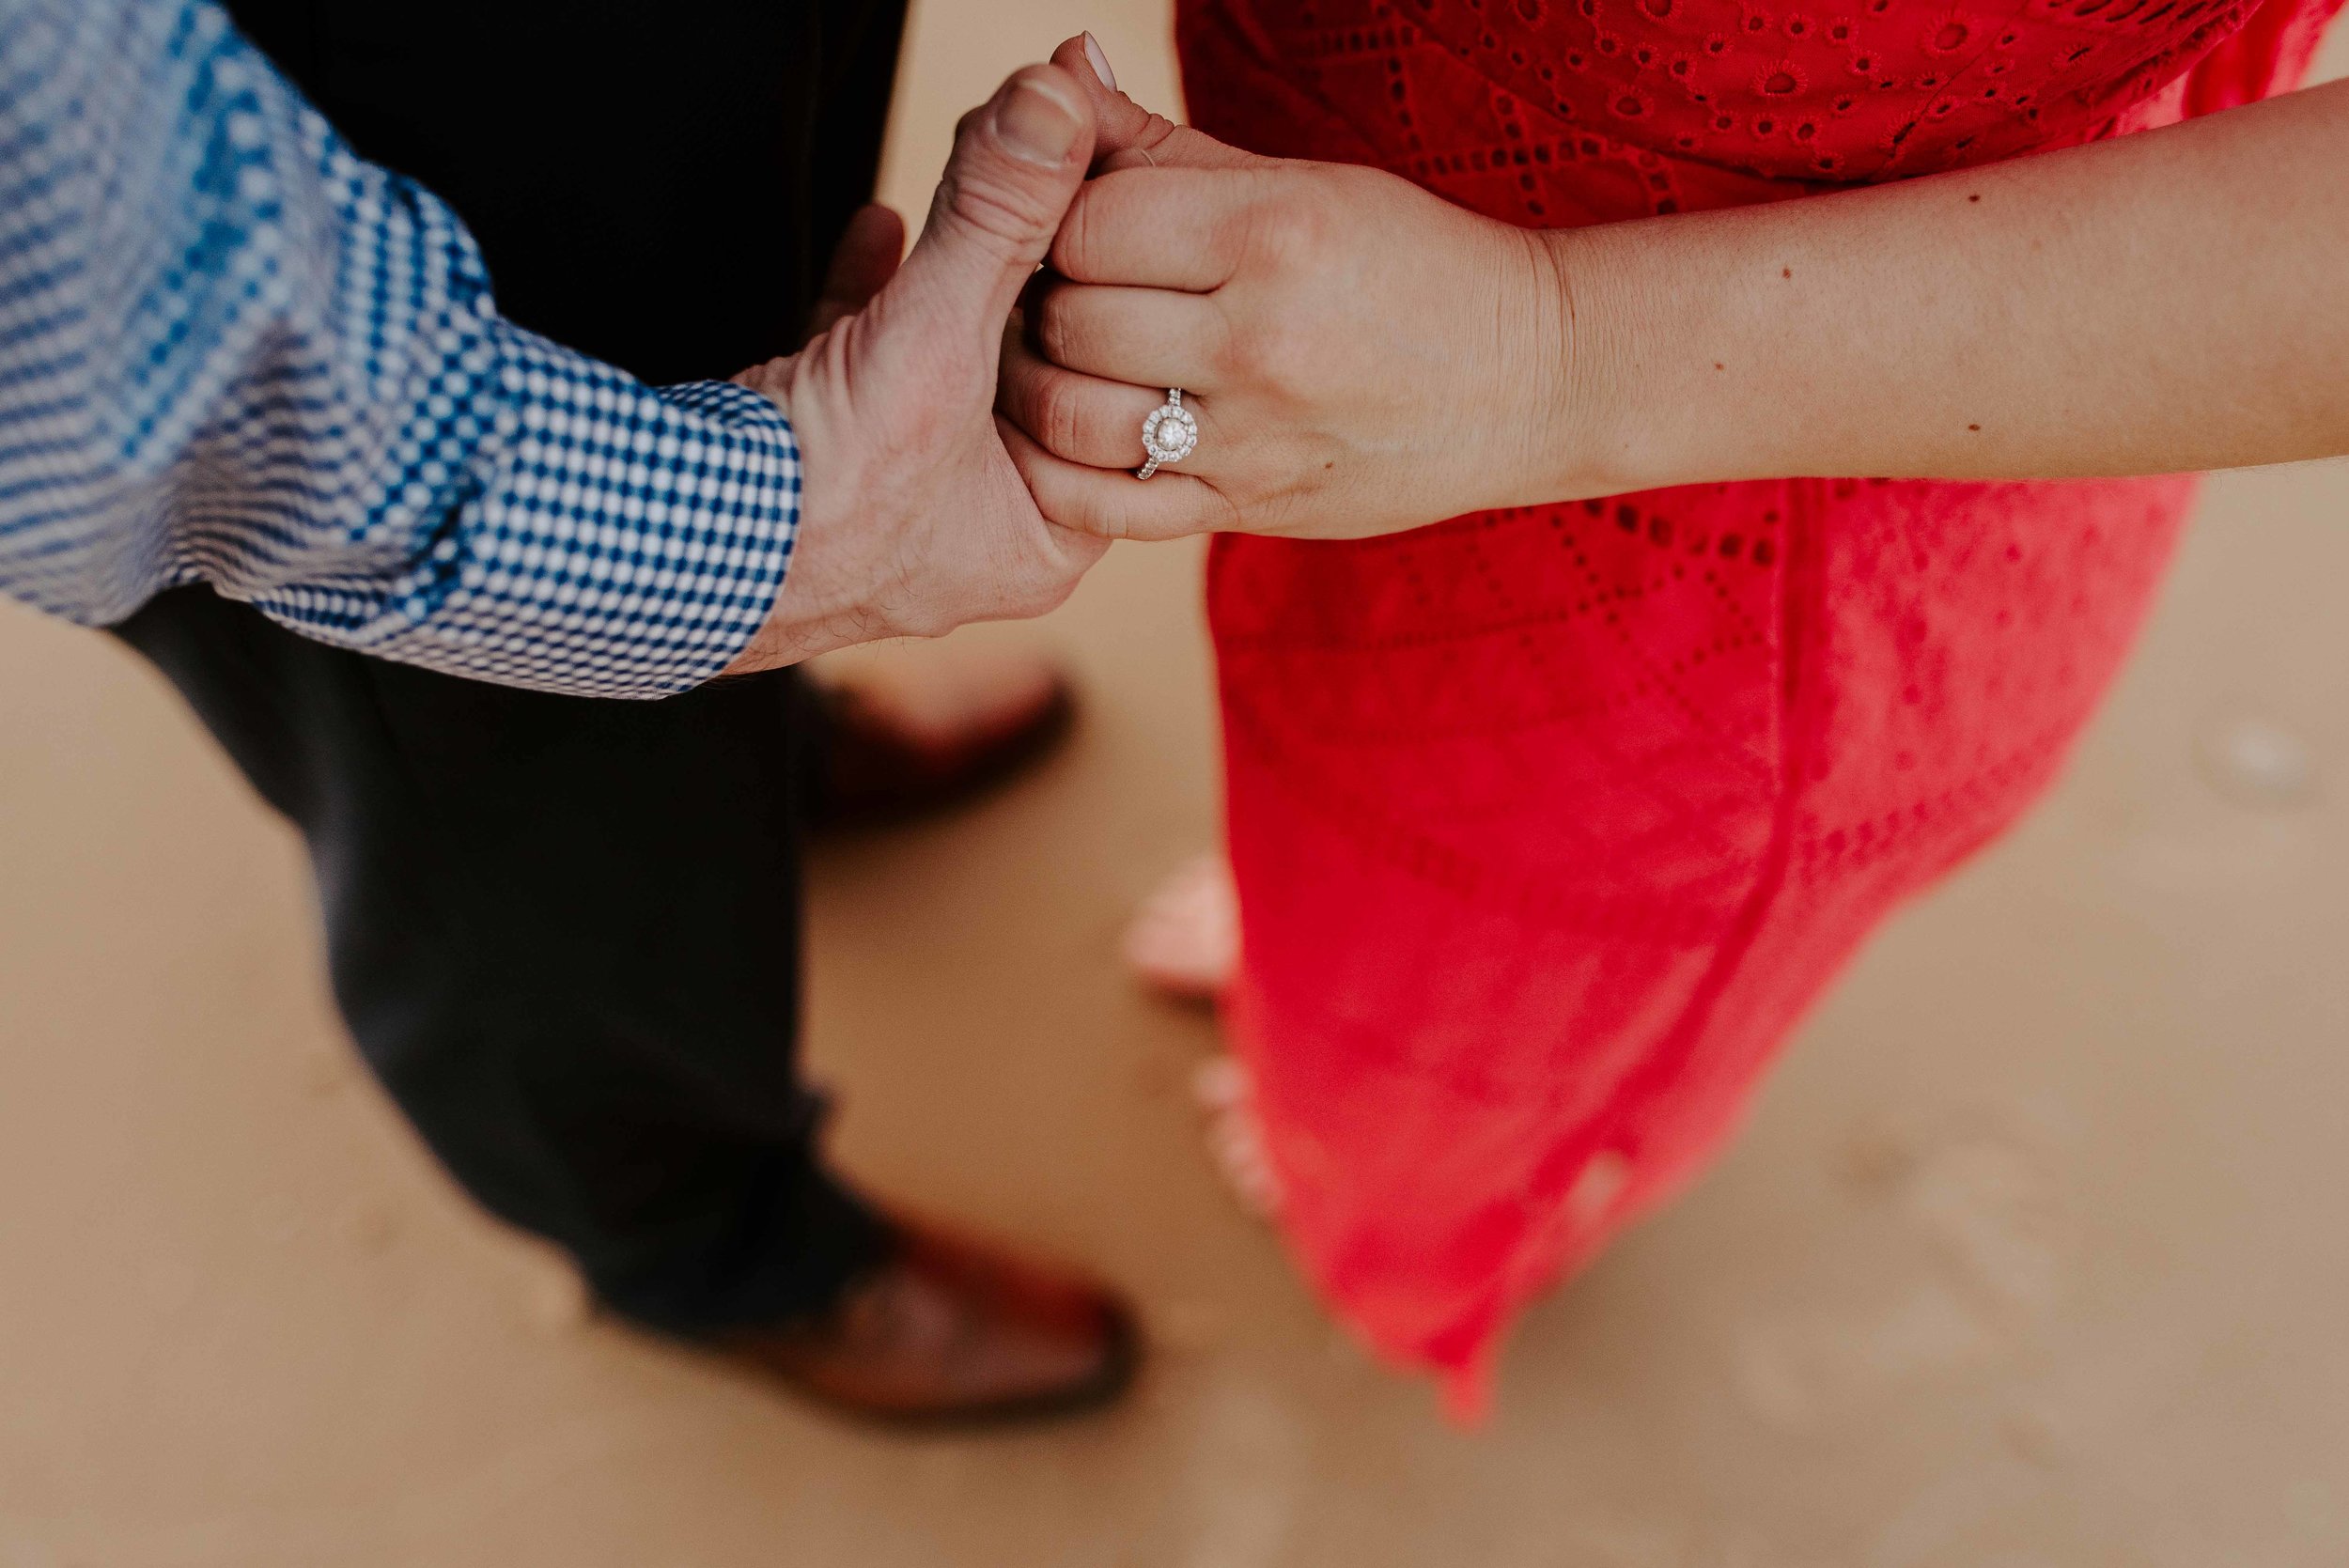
[
  {"x": 1184, "y": 941},
  {"x": 1235, "y": 1139}
]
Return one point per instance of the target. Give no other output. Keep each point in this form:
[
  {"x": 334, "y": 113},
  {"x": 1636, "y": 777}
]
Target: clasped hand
[
  {"x": 912, "y": 518},
  {"x": 1323, "y": 322},
  {"x": 965, "y": 460}
]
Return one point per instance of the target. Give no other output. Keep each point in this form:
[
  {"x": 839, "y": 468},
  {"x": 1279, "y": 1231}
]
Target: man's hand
[{"x": 912, "y": 519}]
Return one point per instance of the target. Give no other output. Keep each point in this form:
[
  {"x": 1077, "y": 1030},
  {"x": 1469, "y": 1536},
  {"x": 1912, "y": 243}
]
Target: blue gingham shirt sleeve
[{"x": 233, "y": 353}]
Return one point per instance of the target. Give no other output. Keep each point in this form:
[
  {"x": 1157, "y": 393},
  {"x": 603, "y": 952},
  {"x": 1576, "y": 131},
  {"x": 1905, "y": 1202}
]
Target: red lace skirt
[{"x": 1550, "y": 824}]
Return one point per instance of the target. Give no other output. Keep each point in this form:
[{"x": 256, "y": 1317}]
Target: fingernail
[
  {"x": 1036, "y": 124},
  {"x": 1100, "y": 62}
]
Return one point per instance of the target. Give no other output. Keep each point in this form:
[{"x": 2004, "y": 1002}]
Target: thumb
[
  {"x": 1129, "y": 136},
  {"x": 1017, "y": 161}
]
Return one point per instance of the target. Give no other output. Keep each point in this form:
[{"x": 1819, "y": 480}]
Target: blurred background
[{"x": 2032, "y": 1258}]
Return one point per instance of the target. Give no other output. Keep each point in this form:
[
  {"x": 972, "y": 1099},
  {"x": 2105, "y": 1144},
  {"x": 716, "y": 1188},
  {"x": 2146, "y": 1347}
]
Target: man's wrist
[
  {"x": 824, "y": 601},
  {"x": 785, "y": 636},
  {"x": 793, "y": 632}
]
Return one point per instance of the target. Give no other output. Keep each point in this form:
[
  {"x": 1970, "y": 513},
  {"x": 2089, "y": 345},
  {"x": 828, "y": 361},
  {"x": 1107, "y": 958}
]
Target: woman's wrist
[
  {"x": 1594, "y": 445},
  {"x": 1509, "y": 408},
  {"x": 1631, "y": 318}
]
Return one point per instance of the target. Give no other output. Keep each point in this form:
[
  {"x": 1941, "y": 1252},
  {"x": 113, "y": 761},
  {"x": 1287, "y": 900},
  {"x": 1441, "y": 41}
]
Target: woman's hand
[
  {"x": 1365, "y": 358},
  {"x": 1360, "y": 356}
]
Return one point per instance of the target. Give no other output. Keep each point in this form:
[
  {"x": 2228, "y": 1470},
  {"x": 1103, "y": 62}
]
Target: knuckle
[
  {"x": 1286, "y": 228},
  {"x": 1157, "y": 132},
  {"x": 1059, "y": 327},
  {"x": 1100, "y": 521},
  {"x": 1227, "y": 515},
  {"x": 1284, "y": 360},
  {"x": 1235, "y": 351},
  {"x": 1074, "y": 246},
  {"x": 993, "y": 205},
  {"x": 1270, "y": 356},
  {"x": 1061, "y": 411}
]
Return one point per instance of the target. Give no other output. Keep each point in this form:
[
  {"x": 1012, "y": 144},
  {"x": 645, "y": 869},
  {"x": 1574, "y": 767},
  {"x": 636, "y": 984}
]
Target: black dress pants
[{"x": 565, "y": 932}]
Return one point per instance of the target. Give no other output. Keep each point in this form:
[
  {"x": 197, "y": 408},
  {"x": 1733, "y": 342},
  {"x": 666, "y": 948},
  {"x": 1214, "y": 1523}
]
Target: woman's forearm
[{"x": 2171, "y": 301}]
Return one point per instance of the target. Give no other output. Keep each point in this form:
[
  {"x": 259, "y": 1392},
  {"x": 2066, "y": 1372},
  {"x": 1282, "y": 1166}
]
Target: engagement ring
[{"x": 1169, "y": 435}]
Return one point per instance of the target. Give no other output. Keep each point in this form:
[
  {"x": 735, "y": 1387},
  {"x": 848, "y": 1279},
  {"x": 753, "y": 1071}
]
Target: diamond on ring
[{"x": 1169, "y": 435}]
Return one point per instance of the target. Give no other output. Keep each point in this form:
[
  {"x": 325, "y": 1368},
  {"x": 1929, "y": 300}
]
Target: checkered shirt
[{"x": 233, "y": 353}]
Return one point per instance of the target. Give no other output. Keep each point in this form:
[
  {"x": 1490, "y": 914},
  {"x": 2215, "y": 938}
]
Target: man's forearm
[
  {"x": 2165, "y": 301},
  {"x": 247, "y": 357}
]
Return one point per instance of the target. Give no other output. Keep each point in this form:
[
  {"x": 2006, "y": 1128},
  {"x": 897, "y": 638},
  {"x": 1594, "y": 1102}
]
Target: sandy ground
[{"x": 2030, "y": 1259}]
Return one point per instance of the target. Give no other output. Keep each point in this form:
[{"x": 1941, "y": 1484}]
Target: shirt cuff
[{"x": 608, "y": 539}]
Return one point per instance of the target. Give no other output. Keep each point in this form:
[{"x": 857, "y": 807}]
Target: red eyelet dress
[{"x": 1550, "y": 824}]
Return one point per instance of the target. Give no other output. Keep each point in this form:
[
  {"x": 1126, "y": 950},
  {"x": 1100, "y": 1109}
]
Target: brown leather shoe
[
  {"x": 892, "y": 751},
  {"x": 949, "y": 1332}
]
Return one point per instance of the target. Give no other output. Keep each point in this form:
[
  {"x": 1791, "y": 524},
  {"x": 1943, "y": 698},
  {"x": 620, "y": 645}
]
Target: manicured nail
[
  {"x": 1100, "y": 62},
  {"x": 1037, "y": 124}
]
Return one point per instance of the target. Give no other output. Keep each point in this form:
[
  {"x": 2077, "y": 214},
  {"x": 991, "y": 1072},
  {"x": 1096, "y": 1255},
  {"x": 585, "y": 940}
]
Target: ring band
[{"x": 1169, "y": 435}]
